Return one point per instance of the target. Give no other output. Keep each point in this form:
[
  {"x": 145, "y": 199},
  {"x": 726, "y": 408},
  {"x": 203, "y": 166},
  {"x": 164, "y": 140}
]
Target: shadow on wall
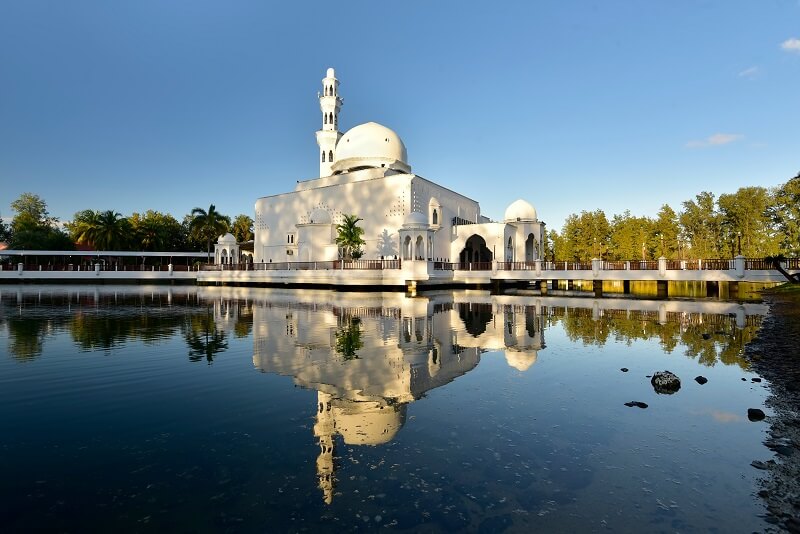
[{"x": 386, "y": 246}]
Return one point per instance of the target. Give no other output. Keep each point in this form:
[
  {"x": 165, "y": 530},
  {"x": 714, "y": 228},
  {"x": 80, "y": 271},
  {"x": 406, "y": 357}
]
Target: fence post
[
  {"x": 20, "y": 267},
  {"x": 738, "y": 266},
  {"x": 595, "y": 266},
  {"x": 662, "y": 266}
]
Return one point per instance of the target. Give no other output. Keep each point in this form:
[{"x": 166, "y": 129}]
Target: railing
[
  {"x": 757, "y": 264},
  {"x": 470, "y": 266},
  {"x": 72, "y": 267},
  {"x": 674, "y": 265},
  {"x": 364, "y": 265},
  {"x": 717, "y": 265},
  {"x": 516, "y": 266},
  {"x": 614, "y": 265},
  {"x": 793, "y": 263},
  {"x": 644, "y": 265}
]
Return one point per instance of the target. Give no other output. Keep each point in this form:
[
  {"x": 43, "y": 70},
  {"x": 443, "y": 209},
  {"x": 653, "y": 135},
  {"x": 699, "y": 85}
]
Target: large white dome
[
  {"x": 226, "y": 239},
  {"x": 519, "y": 210},
  {"x": 370, "y": 145}
]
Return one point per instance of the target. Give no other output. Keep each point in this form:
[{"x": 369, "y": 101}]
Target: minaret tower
[{"x": 329, "y": 103}]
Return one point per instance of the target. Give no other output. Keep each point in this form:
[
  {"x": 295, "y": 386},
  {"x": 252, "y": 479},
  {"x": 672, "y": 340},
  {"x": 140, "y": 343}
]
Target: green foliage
[
  {"x": 5, "y": 231},
  {"x": 349, "y": 238},
  {"x": 156, "y": 231},
  {"x": 32, "y": 227},
  {"x": 107, "y": 230},
  {"x": 242, "y": 228},
  {"x": 746, "y": 221},
  {"x": 785, "y": 215}
]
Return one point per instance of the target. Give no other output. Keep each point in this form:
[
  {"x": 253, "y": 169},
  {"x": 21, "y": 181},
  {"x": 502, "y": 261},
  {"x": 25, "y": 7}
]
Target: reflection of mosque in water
[{"x": 369, "y": 356}]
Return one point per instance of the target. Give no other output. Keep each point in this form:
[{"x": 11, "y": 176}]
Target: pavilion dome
[
  {"x": 520, "y": 210},
  {"x": 370, "y": 145},
  {"x": 226, "y": 239},
  {"x": 415, "y": 219},
  {"x": 521, "y": 360},
  {"x": 319, "y": 216}
]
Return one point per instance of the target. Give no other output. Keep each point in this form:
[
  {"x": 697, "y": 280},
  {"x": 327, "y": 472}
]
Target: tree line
[
  {"x": 753, "y": 222},
  {"x": 33, "y": 228}
]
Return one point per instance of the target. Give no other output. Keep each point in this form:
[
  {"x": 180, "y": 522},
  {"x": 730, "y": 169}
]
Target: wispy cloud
[
  {"x": 717, "y": 139},
  {"x": 791, "y": 45},
  {"x": 750, "y": 73}
]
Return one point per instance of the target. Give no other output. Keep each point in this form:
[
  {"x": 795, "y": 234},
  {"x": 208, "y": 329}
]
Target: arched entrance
[
  {"x": 475, "y": 250},
  {"x": 419, "y": 252},
  {"x": 531, "y": 246},
  {"x": 407, "y": 248}
]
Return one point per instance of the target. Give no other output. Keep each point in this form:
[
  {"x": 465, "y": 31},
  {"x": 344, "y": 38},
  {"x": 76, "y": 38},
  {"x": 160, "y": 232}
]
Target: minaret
[{"x": 328, "y": 136}]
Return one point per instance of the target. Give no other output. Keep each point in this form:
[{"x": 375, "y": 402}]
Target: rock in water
[
  {"x": 754, "y": 414},
  {"x": 706, "y": 336},
  {"x": 665, "y": 382},
  {"x": 756, "y": 379},
  {"x": 637, "y": 404},
  {"x": 624, "y": 369},
  {"x": 701, "y": 379}
]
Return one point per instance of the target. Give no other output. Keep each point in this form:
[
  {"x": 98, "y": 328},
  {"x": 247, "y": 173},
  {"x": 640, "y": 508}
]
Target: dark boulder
[
  {"x": 700, "y": 379},
  {"x": 637, "y": 404},
  {"x": 665, "y": 382},
  {"x": 754, "y": 414}
]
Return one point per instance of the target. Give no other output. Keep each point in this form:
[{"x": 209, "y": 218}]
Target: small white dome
[
  {"x": 330, "y": 73},
  {"x": 415, "y": 219},
  {"x": 520, "y": 210},
  {"x": 370, "y": 145},
  {"x": 319, "y": 216},
  {"x": 226, "y": 239}
]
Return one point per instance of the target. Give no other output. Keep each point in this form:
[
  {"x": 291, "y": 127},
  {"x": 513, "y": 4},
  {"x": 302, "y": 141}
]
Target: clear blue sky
[{"x": 571, "y": 105}]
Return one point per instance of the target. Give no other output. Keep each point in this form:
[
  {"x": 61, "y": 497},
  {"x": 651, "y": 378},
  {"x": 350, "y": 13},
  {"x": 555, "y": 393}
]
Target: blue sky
[{"x": 571, "y": 105}]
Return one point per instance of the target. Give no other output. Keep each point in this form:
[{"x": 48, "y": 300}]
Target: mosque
[{"x": 366, "y": 172}]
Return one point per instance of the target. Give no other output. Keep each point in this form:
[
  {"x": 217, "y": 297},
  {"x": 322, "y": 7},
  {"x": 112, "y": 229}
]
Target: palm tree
[
  {"x": 349, "y": 237},
  {"x": 112, "y": 231},
  {"x": 108, "y": 230},
  {"x": 208, "y": 225}
]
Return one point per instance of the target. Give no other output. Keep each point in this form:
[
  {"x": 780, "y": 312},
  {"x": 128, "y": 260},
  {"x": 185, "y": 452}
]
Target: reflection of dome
[
  {"x": 319, "y": 216},
  {"x": 368, "y": 423},
  {"x": 226, "y": 239},
  {"x": 519, "y": 210},
  {"x": 415, "y": 219},
  {"x": 370, "y": 145},
  {"x": 521, "y": 361}
]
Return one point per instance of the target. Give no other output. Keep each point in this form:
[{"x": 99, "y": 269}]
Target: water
[{"x": 251, "y": 410}]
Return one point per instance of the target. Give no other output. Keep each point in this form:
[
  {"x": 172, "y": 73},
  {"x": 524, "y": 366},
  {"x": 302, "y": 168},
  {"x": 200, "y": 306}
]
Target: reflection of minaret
[{"x": 324, "y": 429}]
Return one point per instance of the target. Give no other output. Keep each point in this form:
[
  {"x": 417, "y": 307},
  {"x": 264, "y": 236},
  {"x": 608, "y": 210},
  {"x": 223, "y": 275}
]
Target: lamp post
[{"x": 739, "y": 243}]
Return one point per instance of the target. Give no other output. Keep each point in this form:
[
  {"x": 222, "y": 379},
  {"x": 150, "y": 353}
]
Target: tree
[
  {"x": 701, "y": 224},
  {"x": 629, "y": 236},
  {"x": 33, "y": 228},
  {"x": 208, "y": 225},
  {"x": 665, "y": 235},
  {"x": 785, "y": 213},
  {"x": 349, "y": 237},
  {"x": 156, "y": 231},
  {"x": 242, "y": 228},
  {"x": 747, "y": 225},
  {"x": 5, "y": 232},
  {"x": 107, "y": 230}
]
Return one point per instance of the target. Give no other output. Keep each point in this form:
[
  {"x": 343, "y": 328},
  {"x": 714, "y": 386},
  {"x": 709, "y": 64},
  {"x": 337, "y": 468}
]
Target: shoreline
[{"x": 775, "y": 355}]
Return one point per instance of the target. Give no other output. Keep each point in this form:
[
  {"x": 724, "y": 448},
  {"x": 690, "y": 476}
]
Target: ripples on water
[{"x": 221, "y": 409}]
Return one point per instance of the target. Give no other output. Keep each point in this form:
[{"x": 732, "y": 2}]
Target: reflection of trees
[
  {"x": 203, "y": 338},
  {"x": 26, "y": 337},
  {"x": 92, "y": 331},
  {"x": 348, "y": 337},
  {"x": 709, "y": 338}
]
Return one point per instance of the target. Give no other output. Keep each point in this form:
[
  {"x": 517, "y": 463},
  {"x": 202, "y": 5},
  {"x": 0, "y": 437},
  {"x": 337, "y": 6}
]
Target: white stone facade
[{"x": 365, "y": 172}]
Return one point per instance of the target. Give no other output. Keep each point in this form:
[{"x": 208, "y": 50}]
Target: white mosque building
[{"x": 366, "y": 172}]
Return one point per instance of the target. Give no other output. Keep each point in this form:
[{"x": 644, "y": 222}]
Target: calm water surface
[{"x": 251, "y": 410}]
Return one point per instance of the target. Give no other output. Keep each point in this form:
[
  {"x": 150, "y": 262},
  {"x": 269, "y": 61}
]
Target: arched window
[
  {"x": 323, "y": 156},
  {"x": 325, "y": 118},
  {"x": 330, "y": 118},
  {"x": 330, "y": 156},
  {"x": 435, "y": 217}
]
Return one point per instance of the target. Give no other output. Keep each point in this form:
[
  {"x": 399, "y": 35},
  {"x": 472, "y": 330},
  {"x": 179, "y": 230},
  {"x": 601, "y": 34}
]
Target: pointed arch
[
  {"x": 325, "y": 118},
  {"x": 323, "y": 156},
  {"x": 330, "y": 156}
]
